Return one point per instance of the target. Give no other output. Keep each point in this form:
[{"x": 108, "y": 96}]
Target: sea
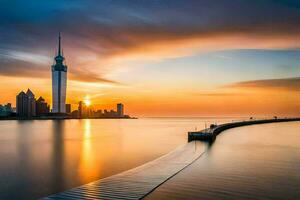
[{"x": 43, "y": 157}]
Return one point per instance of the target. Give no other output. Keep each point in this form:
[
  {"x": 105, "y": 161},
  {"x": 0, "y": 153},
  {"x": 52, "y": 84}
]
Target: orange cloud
[{"x": 289, "y": 84}]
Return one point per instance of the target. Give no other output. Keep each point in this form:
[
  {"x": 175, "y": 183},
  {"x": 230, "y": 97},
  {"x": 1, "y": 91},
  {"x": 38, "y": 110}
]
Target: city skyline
[{"x": 157, "y": 58}]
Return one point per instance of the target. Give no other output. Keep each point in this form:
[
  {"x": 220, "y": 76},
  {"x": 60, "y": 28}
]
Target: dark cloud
[
  {"x": 21, "y": 68},
  {"x": 87, "y": 76},
  {"x": 118, "y": 26},
  {"x": 290, "y": 84}
]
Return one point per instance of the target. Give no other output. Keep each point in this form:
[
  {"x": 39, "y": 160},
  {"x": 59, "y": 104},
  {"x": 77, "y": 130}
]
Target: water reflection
[
  {"x": 24, "y": 154},
  {"x": 88, "y": 165},
  {"x": 42, "y": 157},
  {"x": 58, "y": 155},
  {"x": 251, "y": 162}
]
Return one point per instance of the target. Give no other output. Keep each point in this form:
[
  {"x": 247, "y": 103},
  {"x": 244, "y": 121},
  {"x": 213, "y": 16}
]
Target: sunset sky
[{"x": 160, "y": 58}]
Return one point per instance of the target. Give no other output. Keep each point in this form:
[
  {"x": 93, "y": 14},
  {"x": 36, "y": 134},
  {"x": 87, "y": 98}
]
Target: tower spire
[{"x": 59, "y": 45}]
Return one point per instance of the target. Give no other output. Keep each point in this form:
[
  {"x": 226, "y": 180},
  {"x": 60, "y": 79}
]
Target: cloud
[
  {"x": 86, "y": 76},
  {"x": 216, "y": 94},
  {"x": 290, "y": 84},
  {"x": 155, "y": 29},
  {"x": 22, "y": 64}
]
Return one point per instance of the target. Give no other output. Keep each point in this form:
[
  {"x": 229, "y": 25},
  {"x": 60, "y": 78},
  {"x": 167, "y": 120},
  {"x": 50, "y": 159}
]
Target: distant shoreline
[{"x": 59, "y": 118}]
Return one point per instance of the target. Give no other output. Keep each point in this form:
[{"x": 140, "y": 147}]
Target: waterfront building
[
  {"x": 59, "y": 82},
  {"x": 6, "y": 110},
  {"x": 68, "y": 108},
  {"x": 21, "y": 103},
  {"x": 31, "y": 104},
  {"x": 120, "y": 110},
  {"x": 80, "y": 109},
  {"x": 42, "y": 108},
  {"x": 75, "y": 114},
  {"x": 85, "y": 111},
  {"x": 25, "y": 102}
]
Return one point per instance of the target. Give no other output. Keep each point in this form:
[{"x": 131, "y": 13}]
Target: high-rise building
[
  {"x": 21, "y": 103},
  {"x": 120, "y": 110},
  {"x": 68, "y": 108},
  {"x": 80, "y": 109},
  {"x": 42, "y": 108},
  {"x": 59, "y": 82},
  {"x": 26, "y": 104},
  {"x": 31, "y": 104}
]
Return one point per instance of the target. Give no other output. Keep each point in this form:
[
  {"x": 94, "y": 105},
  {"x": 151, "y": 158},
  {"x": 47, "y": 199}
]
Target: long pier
[{"x": 211, "y": 133}]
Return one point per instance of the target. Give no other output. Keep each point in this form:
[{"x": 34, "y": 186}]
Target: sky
[{"x": 159, "y": 58}]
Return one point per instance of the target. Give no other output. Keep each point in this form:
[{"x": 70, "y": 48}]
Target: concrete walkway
[{"x": 138, "y": 182}]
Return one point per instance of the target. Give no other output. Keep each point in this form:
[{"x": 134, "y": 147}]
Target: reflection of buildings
[
  {"x": 59, "y": 82},
  {"x": 58, "y": 156}
]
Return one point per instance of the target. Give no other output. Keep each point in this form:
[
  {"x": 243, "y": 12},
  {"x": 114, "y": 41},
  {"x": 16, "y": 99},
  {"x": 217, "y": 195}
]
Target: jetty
[{"x": 210, "y": 134}]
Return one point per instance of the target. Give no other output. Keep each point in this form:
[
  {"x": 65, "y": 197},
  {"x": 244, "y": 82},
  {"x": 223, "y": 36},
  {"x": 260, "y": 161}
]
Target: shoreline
[{"x": 59, "y": 118}]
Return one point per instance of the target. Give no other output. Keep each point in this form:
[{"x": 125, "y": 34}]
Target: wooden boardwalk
[{"x": 138, "y": 182}]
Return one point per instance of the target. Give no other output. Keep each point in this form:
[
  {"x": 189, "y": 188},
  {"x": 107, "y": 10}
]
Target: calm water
[
  {"x": 39, "y": 158},
  {"x": 253, "y": 162}
]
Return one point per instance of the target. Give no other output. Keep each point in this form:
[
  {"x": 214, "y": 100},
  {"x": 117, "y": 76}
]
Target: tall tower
[{"x": 59, "y": 82}]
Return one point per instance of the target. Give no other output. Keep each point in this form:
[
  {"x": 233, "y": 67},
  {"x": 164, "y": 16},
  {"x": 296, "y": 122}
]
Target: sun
[{"x": 87, "y": 102}]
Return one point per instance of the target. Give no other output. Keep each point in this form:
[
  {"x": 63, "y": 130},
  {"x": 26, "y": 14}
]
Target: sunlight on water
[
  {"x": 45, "y": 157},
  {"x": 51, "y": 156},
  {"x": 88, "y": 163}
]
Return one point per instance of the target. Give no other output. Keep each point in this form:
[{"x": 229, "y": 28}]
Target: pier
[{"x": 211, "y": 133}]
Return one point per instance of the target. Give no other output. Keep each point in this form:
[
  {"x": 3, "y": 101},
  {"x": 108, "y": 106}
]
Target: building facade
[
  {"x": 25, "y": 103},
  {"x": 80, "y": 109},
  {"x": 59, "y": 82},
  {"x": 21, "y": 103},
  {"x": 42, "y": 108},
  {"x": 120, "y": 110},
  {"x": 68, "y": 108}
]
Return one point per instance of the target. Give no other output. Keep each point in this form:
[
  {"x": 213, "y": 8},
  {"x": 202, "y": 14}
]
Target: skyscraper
[
  {"x": 68, "y": 108},
  {"x": 31, "y": 103},
  {"x": 59, "y": 82},
  {"x": 80, "y": 109},
  {"x": 22, "y": 104},
  {"x": 26, "y": 104},
  {"x": 120, "y": 110}
]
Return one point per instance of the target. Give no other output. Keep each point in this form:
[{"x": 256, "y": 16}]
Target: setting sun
[{"x": 87, "y": 102}]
